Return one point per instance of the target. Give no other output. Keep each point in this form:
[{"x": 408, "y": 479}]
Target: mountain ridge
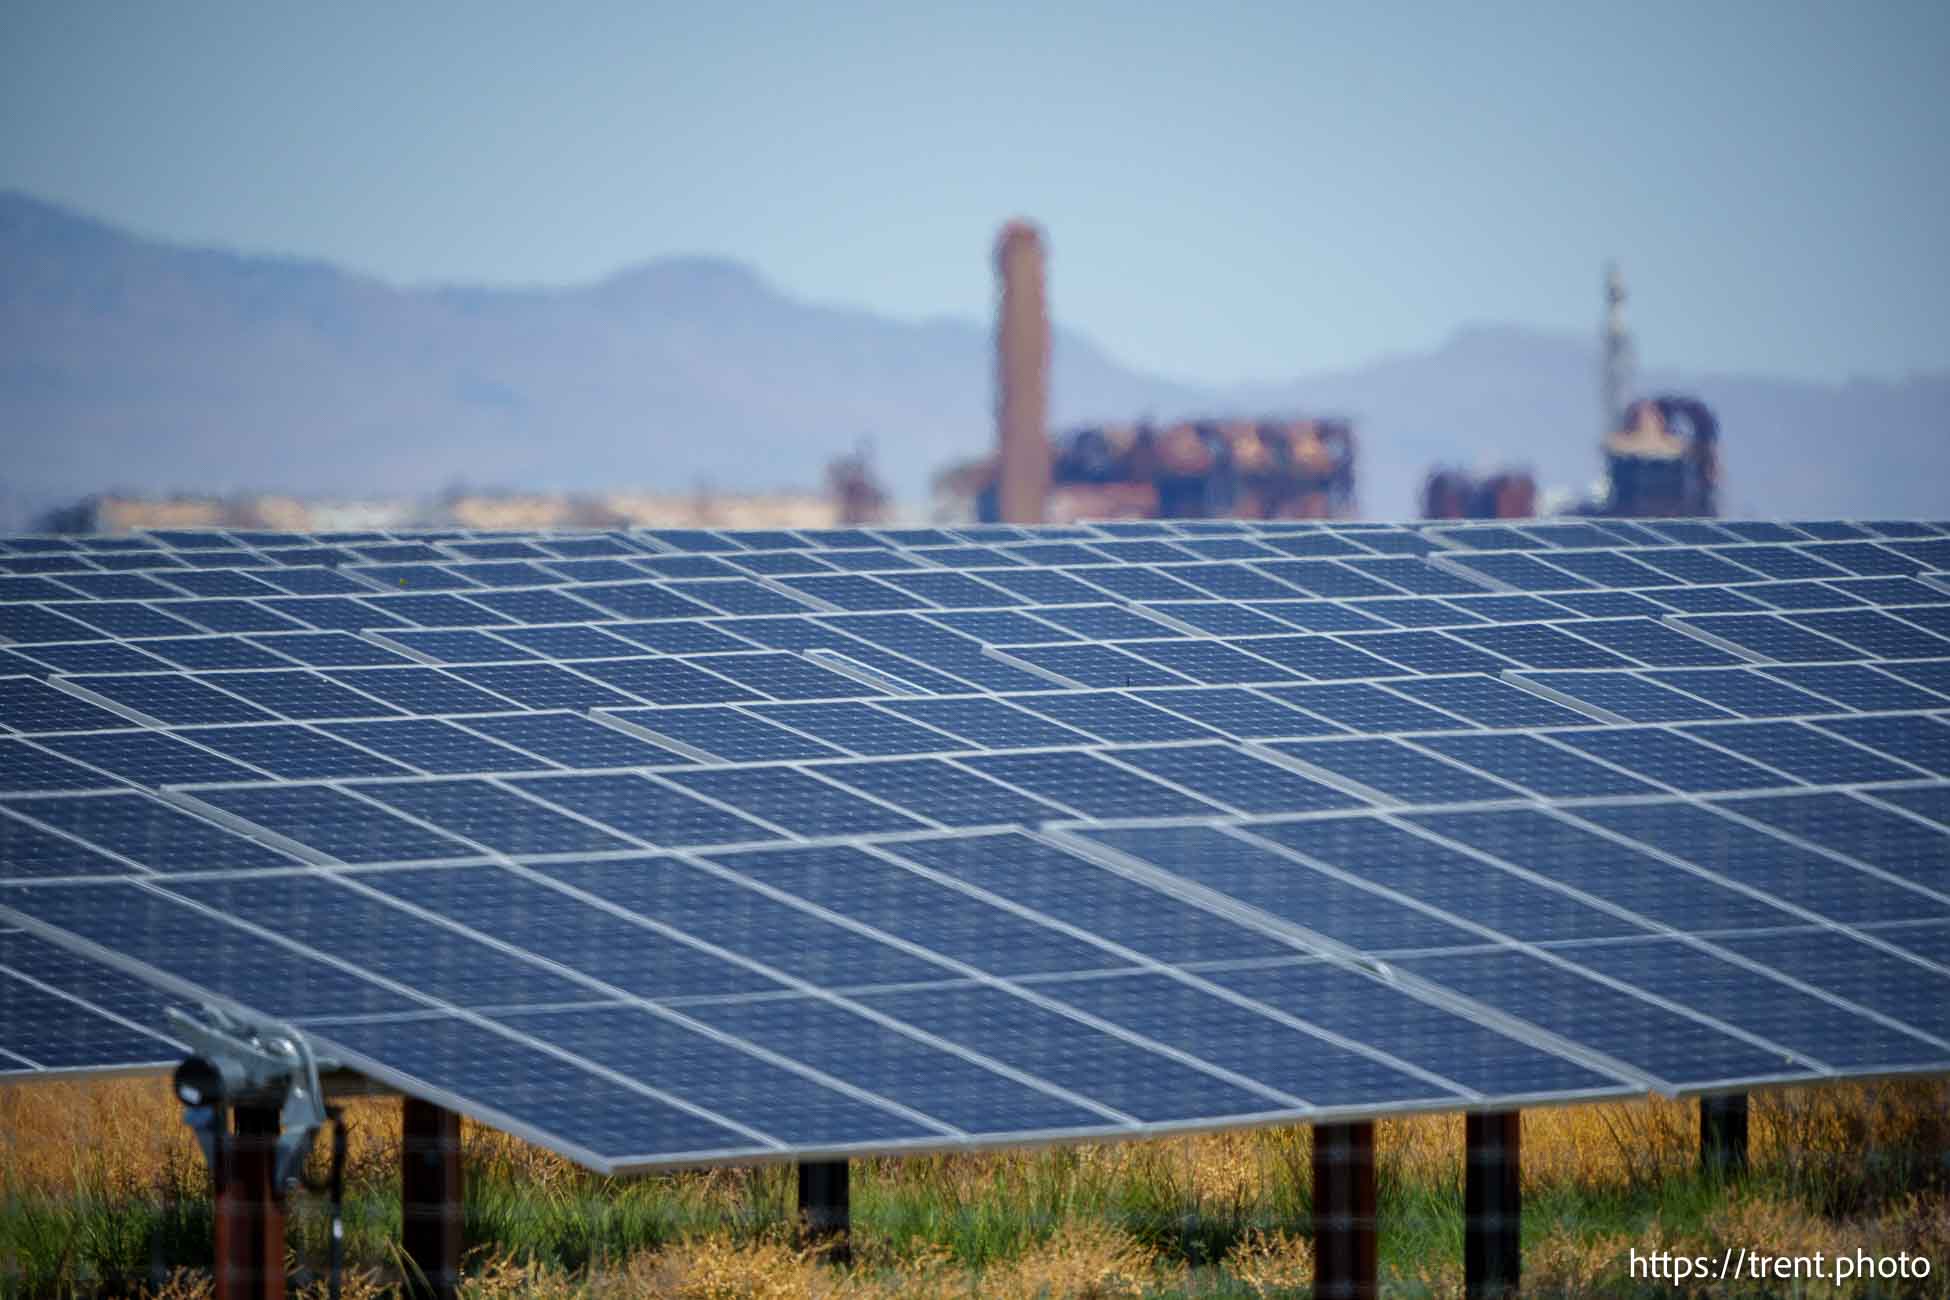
[{"x": 206, "y": 370}]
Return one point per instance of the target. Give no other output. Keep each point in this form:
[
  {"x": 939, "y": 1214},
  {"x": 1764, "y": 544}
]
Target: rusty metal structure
[
  {"x": 1450, "y": 493},
  {"x": 1663, "y": 462},
  {"x": 1661, "y": 453},
  {"x": 1022, "y": 348},
  {"x": 1192, "y": 469}
]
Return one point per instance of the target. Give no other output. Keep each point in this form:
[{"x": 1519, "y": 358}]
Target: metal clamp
[{"x": 240, "y": 1063}]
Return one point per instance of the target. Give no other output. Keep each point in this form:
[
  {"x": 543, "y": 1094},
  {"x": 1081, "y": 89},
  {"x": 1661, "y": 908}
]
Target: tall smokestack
[{"x": 1022, "y": 374}]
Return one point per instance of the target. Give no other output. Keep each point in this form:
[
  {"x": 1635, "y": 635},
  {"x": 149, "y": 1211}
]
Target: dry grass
[{"x": 101, "y": 1188}]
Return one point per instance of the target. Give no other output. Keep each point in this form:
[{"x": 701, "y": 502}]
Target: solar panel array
[{"x": 670, "y": 846}]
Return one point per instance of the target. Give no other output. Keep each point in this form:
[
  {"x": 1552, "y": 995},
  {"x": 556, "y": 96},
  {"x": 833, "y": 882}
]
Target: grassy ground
[{"x": 102, "y": 1192}]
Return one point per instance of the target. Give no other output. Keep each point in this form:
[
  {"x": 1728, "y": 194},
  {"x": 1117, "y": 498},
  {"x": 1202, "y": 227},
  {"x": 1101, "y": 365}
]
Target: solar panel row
[{"x": 680, "y": 845}]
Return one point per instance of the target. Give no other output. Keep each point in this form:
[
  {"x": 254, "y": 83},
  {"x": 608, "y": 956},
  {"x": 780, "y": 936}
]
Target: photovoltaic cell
[
  {"x": 782, "y": 676},
  {"x": 1876, "y": 633},
  {"x": 433, "y": 746},
  {"x": 1803, "y": 752},
  {"x": 95, "y": 657},
  {"x": 1435, "y": 875},
  {"x": 1138, "y": 583},
  {"x": 1629, "y": 696},
  {"x": 868, "y": 1054},
  {"x": 1921, "y": 741},
  {"x": 743, "y": 921},
  {"x": 168, "y": 935},
  {"x": 28, "y": 852},
  {"x": 644, "y": 809},
  {"x": 1761, "y": 1005},
  {"x": 1667, "y": 1045},
  {"x": 382, "y": 939},
  {"x": 1095, "y": 665},
  {"x": 1844, "y": 966},
  {"x": 25, "y": 768},
  {"x": 1365, "y": 708},
  {"x": 1754, "y": 858},
  {"x": 1071, "y": 1054},
  {"x": 1745, "y": 692},
  {"x": 1567, "y": 854},
  {"x": 730, "y": 735},
  {"x": 294, "y": 752},
  {"x": 1650, "y": 643},
  {"x": 861, "y": 887},
  {"x": 1774, "y": 638},
  {"x": 574, "y": 741},
  {"x": 1276, "y": 884},
  {"x": 1042, "y": 586},
  {"x": 1419, "y": 612},
  {"x": 569, "y": 642},
  {"x": 1488, "y": 702},
  {"x": 1316, "y": 615},
  {"x": 1395, "y": 770},
  {"x": 1320, "y": 657},
  {"x": 1209, "y": 661},
  {"x": 858, "y": 727},
  {"x": 30, "y": 623},
  {"x": 1671, "y": 758},
  {"x": 491, "y": 816},
  {"x": 1098, "y": 622},
  {"x": 1535, "y": 764},
  {"x": 1316, "y": 578},
  {"x": 559, "y": 926},
  {"x": 853, "y": 591},
  {"x": 543, "y": 686},
  {"x": 129, "y": 619},
  {"x": 1075, "y": 891},
  {"x": 795, "y": 801},
  {"x": 334, "y": 823},
  {"x": 319, "y": 649},
  {"x": 986, "y": 723},
  {"x": 1088, "y": 784},
  {"x": 1869, "y": 834},
  {"x": 304, "y": 696},
  {"x": 1243, "y": 714},
  {"x": 148, "y": 758},
  {"x": 1428, "y": 652},
  {"x": 1228, "y": 776},
  {"x": 1855, "y": 686},
  {"x": 1415, "y": 1031}
]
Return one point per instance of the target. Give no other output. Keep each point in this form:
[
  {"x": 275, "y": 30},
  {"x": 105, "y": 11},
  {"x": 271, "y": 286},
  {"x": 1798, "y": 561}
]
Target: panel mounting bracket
[{"x": 241, "y": 1063}]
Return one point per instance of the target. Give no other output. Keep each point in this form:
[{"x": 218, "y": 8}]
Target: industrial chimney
[{"x": 1022, "y": 375}]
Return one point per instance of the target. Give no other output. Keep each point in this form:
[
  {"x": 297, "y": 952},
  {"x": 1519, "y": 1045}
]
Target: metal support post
[
  {"x": 1492, "y": 1205},
  {"x": 1723, "y": 1135},
  {"x": 430, "y": 1198},
  {"x": 250, "y": 1208},
  {"x": 825, "y": 1212},
  {"x": 1344, "y": 1212}
]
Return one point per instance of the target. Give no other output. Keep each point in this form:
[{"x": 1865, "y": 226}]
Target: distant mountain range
[{"x": 132, "y": 365}]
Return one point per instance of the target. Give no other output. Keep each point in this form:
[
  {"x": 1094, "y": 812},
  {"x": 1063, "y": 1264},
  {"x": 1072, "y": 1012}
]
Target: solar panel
[
  {"x": 1088, "y": 785},
  {"x": 1241, "y": 714},
  {"x": 795, "y": 801},
  {"x": 959, "y": 846},
  {"x": 1394, "y": 770}
]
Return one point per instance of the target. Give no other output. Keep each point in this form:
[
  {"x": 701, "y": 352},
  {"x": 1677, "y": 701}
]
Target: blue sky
[{"x": 1231, "y": 191}]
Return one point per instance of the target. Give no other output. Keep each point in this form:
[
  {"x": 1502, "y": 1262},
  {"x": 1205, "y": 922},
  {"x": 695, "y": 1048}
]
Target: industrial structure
[
  {"x": 1661, "y": 453},
  {"x": 1275, "y": 468},
  {"x": 1205, "y": 469}
]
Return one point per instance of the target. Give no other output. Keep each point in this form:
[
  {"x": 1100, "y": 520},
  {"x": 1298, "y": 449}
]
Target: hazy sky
[{"x": 1230, "y": 191}]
